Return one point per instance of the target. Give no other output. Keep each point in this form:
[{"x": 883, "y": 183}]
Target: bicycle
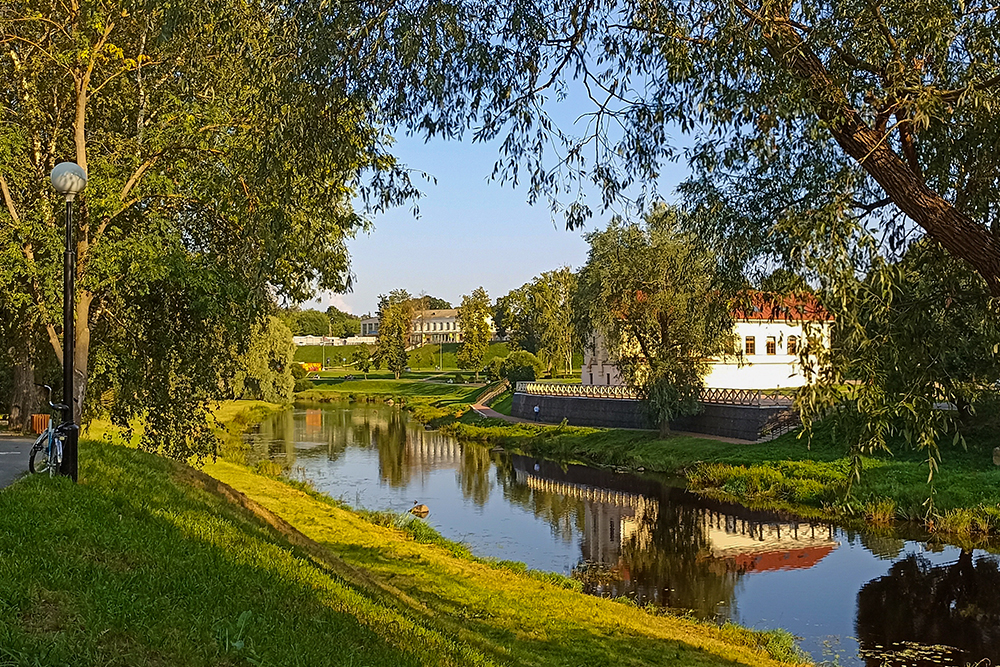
[{"x": 47, "y": 451}]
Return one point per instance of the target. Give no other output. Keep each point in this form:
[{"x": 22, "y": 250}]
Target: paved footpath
[{"x": 13, "y": 457}]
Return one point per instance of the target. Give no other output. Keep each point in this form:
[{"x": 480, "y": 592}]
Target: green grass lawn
[
  {"x": 144, "y": 562},
  {"x": 786, "y": 473}
]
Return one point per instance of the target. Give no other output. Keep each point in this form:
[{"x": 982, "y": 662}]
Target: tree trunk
[
  {"x": 25, "y": 397},
  {"x": 961, "y": 236},
  {"x": 665, "y": 428}
]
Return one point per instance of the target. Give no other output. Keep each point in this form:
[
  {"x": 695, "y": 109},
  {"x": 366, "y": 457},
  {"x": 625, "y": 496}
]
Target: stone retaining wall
[{"x": 730, "y": 421}]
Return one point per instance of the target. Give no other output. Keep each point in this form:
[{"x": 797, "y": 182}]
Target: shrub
[
  {"x": 303, "y": 384},
  {"x": 521, "y": 366},
  {"x": 298, "y": 372}
]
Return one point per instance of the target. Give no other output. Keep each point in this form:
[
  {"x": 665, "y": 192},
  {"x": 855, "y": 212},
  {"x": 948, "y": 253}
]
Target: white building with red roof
[{"x": 771, "y": 346}]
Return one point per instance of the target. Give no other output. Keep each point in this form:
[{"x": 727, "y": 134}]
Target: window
[
  {"x": 792, "y": 345},
  {"x": 772, "y": 345},
  {"x": 609, "y": 379},
  {"x": 591, "y": 378},
  {"x": 751, "y": 346}
]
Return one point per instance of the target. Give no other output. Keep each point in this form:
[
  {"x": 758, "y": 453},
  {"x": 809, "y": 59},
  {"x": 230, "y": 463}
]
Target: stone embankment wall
[{"x": 729, "y": 421}]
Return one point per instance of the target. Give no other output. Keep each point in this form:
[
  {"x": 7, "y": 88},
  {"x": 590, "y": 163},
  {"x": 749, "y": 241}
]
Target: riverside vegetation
[
  {"x": 789, "y": 473},
  {"x": 150, "y": 561},
  {"x": 808, "y": 478}
]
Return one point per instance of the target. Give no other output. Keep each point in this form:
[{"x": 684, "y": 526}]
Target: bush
[
  {"x": 298, "y": 372},
  {"x": 303, "y": 385},
  {"x": 520, "y": 366}
]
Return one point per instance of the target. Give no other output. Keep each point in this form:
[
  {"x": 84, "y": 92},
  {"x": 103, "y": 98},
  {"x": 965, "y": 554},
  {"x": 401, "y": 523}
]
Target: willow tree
[
  {"x": 538, "y": 318},
  {"x": 222, "y": 165},
  {"x": 822, "y": 135},
  {"x": 658, "y": 299}
]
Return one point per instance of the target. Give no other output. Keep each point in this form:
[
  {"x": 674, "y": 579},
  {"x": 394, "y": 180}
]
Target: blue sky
[{"x": 470, "y": 231}]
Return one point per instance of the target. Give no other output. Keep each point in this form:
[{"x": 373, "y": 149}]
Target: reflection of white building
[
  {"x": 770, "y": 339},
  {"x": 613, "y": 519},
  {"x": 432, "y": 450},
  {"x": 757, "y": 546}
]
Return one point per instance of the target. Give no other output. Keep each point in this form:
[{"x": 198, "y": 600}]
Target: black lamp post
[{"x": 69, "y": 179}]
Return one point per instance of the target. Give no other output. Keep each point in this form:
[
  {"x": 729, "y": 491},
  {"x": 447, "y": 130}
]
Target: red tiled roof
[
  {"x": 790, "y": 559},
  {"x": 764, "y": 307}
]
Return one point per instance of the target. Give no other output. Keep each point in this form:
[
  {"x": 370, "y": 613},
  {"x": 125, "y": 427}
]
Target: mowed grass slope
[
  {"x": 510, "y": 618},
  {"x": 134, "y": 566},
  {"x": 143, "y": 564}
]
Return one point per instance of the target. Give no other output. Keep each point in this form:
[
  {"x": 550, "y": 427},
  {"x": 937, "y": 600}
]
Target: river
[{"x": 852, "y": 598}]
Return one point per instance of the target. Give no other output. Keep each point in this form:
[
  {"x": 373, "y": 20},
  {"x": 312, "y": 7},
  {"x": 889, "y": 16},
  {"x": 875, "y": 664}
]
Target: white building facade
[{"x": 769, "y": 355}]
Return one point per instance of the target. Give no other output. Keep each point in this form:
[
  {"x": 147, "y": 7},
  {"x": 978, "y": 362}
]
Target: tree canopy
[
  {"x": 474, "y": 321},
  {"x": 659, "y": 300},
  {"x": 222, "y": 166},
  {"x": 538, "y": 318},
  {"x": 395, "y": 324}
]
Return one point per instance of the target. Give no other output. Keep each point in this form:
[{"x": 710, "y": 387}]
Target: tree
[
  {"x": 474, "y": 322},
  {"x": 362, "y": 358},
  {"x": 520, "y": 366},
  {"x": 222, "y": 169},
  {"x": 824, "y": 137},
  {"x": 839, "y": 116},
  {"x": 266, "y": 370},
  {"x": 658, "y": 299},
  {"x": 924, "y": 332},
  {"x": 343, "y": 324},
  {"x": 538, "y": 317},
  {"x": 395, "y": 323},
  {"x": 312, "y": 323}
]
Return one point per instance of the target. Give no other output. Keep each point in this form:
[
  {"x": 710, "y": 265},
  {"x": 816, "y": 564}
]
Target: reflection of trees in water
[
  {"x": 473, "y": 473},
  {"x": 563, "y": 514},
  {"x": 666, "y": 561},
  {"x": 917, "y": 602},
  {"x": 883, "y": 544},
  {"x": 389, "y": 438}
]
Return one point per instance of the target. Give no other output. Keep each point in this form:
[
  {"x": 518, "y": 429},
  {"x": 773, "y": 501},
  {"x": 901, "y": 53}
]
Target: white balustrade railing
[{"x": 752, "y": 397}]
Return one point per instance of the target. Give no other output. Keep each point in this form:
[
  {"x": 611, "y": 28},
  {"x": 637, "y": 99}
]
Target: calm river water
[{"x": 855, "y": 598}]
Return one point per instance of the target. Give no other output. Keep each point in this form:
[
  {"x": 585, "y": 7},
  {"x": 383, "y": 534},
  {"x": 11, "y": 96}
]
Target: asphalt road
[{"x": 13, "y": 458}]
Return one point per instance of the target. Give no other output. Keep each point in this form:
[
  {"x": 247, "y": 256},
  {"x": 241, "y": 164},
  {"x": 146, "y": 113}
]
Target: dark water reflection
[{"x": 857, "y": 598}]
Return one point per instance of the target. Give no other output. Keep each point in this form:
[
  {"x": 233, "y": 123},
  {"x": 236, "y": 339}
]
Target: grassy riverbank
[
  {"x": 147, "y": 561},
  {"x": 785, "y": 473}
]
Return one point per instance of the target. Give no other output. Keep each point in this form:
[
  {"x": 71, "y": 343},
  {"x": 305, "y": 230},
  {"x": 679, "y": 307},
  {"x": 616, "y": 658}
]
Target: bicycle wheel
[{"x": 39, "y": 461}]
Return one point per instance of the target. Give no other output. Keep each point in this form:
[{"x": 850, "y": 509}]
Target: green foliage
[
  {"x": 476, "y": 333},
  {"x": 362, "y": 358},
  {"x": 303, "y": 384},
  {"x": 343, "y": 324},
  {"x": 657, "y": 299},
  {"x": 395, "y": 322},
  {"x": 298, "y": 372},
  {"x": 922, "y": 334},
  {"x": 220, "y": 179},
  {"x": 266, "y": 371},
  {"x": 519, "y": 366},
  {"x": 538, "y": 317}
]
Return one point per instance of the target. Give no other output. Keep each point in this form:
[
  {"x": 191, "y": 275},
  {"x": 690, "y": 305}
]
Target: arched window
[
  {"x": 772, "y": 345},
  {"x": 792, "y": 346}
]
